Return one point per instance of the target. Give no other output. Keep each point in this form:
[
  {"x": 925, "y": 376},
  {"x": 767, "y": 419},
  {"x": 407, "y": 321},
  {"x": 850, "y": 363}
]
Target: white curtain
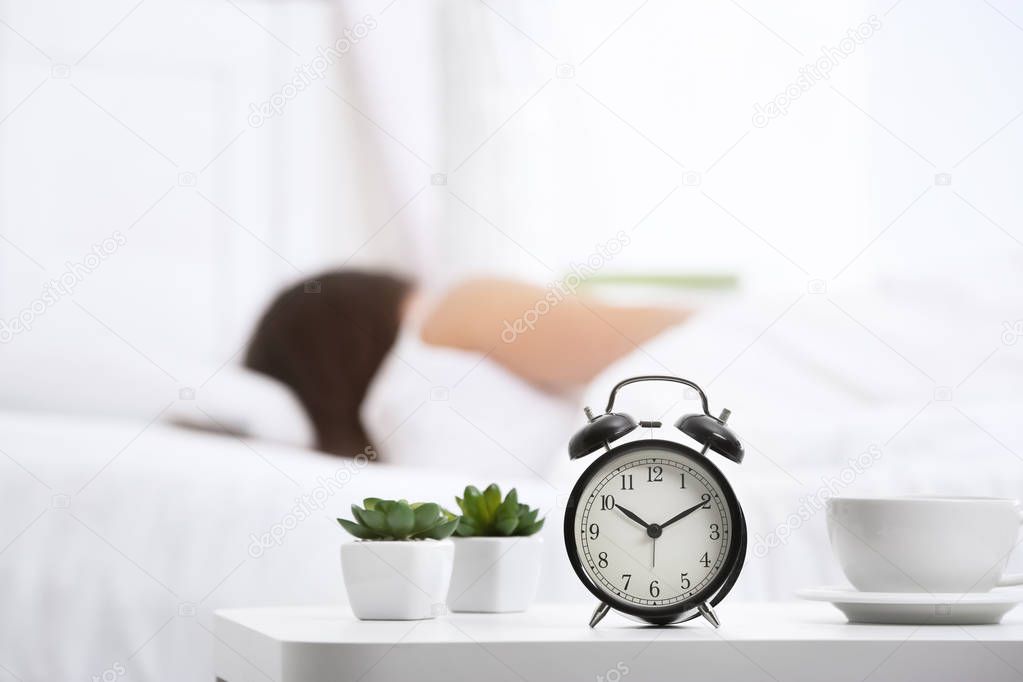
[{"x": 556, "y": 125}]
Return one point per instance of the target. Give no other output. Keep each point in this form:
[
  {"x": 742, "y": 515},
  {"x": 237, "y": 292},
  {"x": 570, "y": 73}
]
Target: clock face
[{"x": 653, "y": 527}]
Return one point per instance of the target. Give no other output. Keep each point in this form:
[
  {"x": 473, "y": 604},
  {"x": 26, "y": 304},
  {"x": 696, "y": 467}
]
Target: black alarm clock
[{"x": 652, "y": 527}]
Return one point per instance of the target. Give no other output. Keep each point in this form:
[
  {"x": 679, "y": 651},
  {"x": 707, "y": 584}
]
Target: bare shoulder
[
  {"x": 474, "y": 308},
  {"x": 566, "y": 342}
]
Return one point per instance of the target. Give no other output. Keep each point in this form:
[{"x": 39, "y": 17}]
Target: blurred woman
[{"x": 328, "y": 337}]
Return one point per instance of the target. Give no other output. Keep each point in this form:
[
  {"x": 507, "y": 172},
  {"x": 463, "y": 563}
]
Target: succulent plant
[
  {"x": 485, "y": 514},
  {"x": 380, "y": 519}
]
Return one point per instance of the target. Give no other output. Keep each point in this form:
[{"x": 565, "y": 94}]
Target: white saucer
[{"x": 918, "y": 608}]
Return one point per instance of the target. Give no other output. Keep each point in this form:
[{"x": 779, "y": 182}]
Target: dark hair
[{"x": 325, "y": 338}]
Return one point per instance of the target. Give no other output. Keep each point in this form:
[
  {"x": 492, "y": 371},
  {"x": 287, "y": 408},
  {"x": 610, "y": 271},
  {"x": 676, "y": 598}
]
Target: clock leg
[
  {"x": 707, "y": 611},
  {"x": 598, "y": 614}
]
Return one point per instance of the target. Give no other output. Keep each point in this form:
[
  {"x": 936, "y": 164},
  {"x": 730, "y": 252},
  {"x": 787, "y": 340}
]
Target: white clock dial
[{"x": 652, "y": 528}]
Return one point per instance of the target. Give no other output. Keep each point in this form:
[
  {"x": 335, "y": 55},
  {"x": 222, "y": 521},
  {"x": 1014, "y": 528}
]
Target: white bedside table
[{"x": 787, "y": 641}]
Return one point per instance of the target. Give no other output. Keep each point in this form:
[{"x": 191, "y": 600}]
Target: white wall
[
  {"x": 550, "y": 126},
  {"x": 652, "y": 107},
  {"x": 131, "y": 119},
  {"x": 945, "y": 83},
  {"x": 947, "y": 102}
]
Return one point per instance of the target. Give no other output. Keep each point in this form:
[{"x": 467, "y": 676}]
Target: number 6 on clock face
[{"x": 653, "y": 529}]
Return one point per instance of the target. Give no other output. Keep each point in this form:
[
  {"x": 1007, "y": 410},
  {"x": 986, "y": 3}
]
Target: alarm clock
[{"x": 652, "y": 527}]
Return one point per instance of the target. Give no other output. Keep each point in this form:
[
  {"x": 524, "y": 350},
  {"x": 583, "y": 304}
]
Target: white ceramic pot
[
  {"x": 392, "y": 580},
  {"x": 495, "y": 575}
]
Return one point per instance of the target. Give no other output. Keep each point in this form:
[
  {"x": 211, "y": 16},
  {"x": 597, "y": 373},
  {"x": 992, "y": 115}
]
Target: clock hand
[
  {"x": 633, "y": 516},
  {"x": 683, "y": 514}
]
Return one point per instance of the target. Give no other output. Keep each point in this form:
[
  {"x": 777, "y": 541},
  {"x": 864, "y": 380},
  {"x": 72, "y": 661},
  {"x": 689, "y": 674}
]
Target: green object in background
[
  {"x": 485, "y": 514},
  {"x": 690, "y": 282},
  {"x": 380, "y": 519}
]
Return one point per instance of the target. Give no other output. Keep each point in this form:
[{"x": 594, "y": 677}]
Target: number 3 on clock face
[{"x": 653, "y": 527}]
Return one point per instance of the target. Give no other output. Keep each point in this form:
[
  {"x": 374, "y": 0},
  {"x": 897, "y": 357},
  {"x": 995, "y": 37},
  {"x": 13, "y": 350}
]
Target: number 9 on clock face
[{"x": 653, "y": 529}]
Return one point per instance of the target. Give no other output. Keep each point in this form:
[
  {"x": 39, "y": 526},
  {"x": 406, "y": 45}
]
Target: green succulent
[
  {"x": 485, "y": 514},
  {"x": 380, "y": 519}
]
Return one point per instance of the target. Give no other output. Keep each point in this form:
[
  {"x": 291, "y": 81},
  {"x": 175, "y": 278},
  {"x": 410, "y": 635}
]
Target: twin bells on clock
[{"x": 706, "y": 429}]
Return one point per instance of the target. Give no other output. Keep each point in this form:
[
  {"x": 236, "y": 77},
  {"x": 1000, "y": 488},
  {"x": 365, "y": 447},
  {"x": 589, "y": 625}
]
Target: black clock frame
[{"x": 721, "y": 584}]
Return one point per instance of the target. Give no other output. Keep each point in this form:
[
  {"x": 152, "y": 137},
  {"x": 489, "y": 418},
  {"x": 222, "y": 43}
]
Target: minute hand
[{"x": 682, "y": 515}]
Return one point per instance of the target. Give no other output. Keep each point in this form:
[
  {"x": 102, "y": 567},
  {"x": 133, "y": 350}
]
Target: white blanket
[
  {"x": 117, "y": 541},
  {"x": 118, "y": 538},
  {"x": 112, "y": 533}
]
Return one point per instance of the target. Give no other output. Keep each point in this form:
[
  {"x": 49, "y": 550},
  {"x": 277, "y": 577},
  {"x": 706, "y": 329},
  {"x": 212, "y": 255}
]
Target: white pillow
[
  {"x": 240, "y": 401},
  {"x": 87, "y": 377},
  {"x": 459, "y": 411}
]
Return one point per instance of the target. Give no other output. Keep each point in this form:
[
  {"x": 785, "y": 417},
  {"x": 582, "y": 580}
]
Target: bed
[
  {"x": 120, "y": 538},
  {"x": 121, "y": 532}
]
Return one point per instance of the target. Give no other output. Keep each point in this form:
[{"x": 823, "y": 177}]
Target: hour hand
[{"x": 632, "y": 516}]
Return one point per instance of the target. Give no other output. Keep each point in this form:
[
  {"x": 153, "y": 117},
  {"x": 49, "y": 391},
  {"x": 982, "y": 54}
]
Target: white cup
[{"x": 925, "y": 544}]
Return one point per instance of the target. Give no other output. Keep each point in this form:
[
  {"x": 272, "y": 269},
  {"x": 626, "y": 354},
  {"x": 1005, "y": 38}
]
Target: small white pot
[
  {"x": 495, "y": 575},
  {"x": 392, "y": 580}
]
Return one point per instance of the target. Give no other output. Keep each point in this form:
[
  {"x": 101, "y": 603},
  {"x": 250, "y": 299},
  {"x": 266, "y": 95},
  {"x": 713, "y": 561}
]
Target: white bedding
[
  {"x": 118, "y": 539},
  {"x": 48, "y": 373},
  {"x": 450, "y": 409},
  {"x": 113, "y": 535},
  {"x": 887, "y": 394}
]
